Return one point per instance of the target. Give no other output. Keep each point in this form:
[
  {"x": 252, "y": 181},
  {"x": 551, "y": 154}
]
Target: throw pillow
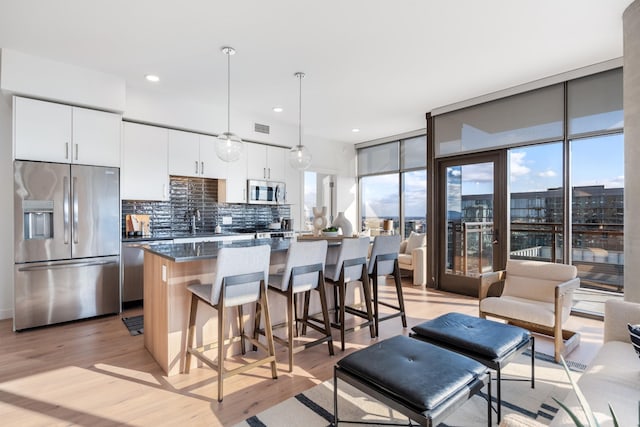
[
  {"x": 634, "y": 334},
  {"x": 416, "y": 240}
]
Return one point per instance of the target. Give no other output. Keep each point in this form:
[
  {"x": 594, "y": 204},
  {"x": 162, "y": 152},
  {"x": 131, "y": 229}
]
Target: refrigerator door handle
[
  {"x": 65, "y": 265},
  {"x": 74, "y": 230},
  {"x": 65, "y": 209}
]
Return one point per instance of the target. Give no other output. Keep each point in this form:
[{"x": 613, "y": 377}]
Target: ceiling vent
[{"x": 261, "y": 128}]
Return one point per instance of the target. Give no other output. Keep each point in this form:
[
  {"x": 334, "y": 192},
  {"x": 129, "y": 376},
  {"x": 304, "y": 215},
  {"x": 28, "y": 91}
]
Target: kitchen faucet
[{"x": 195, "y": 215}]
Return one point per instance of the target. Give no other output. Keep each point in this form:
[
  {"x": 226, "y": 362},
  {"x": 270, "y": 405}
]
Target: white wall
[
  {"x": 56, "y": 81},
  {"x": 165, "y": 109},
  {"x": 6, "y": 201}
]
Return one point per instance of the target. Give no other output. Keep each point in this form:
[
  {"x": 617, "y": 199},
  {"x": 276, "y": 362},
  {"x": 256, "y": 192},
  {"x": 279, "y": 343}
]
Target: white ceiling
[{"x": 378, "y": 65}]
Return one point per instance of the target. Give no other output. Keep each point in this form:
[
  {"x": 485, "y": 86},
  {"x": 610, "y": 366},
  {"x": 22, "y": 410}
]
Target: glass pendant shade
[
  {"x": 229, "y": 147},
  {"x": 300, "y": 157}
]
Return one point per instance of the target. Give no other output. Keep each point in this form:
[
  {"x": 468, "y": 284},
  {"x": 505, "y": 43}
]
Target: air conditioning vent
[{"x": 261, "y": 128}]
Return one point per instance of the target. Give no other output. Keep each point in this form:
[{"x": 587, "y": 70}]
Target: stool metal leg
[
  {"x": 499, "y": 393},
  {"x": 489, "y": 409},
  {"x": 342, "y": 291},
  {"x": 221, "y": 320},
  {"x": 375, "y": 296},
  {"x": 335, "y": 398},
  {"x": 533, "y": 357},
  {"x": 398, "y": 282}
]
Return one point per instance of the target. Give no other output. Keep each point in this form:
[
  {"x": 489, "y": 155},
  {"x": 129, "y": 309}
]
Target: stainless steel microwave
[{"x": 266, "y": 192}]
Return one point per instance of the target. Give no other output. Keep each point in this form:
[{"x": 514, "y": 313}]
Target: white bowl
[{"x": 330, "y": 233}]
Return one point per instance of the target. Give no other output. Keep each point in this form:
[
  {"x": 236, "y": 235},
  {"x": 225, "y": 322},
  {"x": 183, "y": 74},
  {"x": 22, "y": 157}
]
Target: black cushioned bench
[
  {"x": 491, "y": 343},
  {"x": 425, "y": 382}
]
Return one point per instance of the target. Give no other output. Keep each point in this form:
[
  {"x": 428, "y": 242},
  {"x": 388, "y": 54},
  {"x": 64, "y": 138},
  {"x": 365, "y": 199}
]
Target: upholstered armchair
[
  {"x": 537, "y": 296},
  {"x": 413, "y": 257}
]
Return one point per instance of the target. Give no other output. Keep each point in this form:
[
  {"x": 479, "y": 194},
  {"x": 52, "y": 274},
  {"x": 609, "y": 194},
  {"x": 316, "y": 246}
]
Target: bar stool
[
  {"x": 351, "y": 266},
  {"x": 303, "y": 272},
  {"x": 384, "y": 262},
  {"x": 239, "y": 279}
]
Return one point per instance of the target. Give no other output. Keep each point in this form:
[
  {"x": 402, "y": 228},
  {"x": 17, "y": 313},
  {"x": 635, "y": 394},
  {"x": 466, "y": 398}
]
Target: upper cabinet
[
  {"x": 236, "y": 178},
  {"x": 192, "y": 154},
  {"x": 53, "y": 132},
  {"x": 266, "y": 162},
  {"x": 145, "y": 171}
]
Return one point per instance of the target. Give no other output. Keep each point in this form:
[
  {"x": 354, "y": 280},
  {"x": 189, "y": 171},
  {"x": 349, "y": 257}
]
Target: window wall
[
  {"x": 597, "y": 235},
  {"x": 565, "y": 157},
  {"x": 393, "y": 182},
  {"x": 537, "y": 202}
]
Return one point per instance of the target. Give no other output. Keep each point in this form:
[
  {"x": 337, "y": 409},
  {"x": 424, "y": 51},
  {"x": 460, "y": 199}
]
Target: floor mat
[{"x": 135, "y": 324}]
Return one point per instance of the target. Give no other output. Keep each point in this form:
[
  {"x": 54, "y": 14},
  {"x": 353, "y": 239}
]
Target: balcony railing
[{"x": 597, "y": 250}]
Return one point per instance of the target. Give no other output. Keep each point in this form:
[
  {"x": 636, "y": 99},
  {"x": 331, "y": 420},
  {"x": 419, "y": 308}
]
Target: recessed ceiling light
[
  {"x": 277, "y": 109},
  {"x": 355, "y": 130},
  {"x": 152, "y": 78}
]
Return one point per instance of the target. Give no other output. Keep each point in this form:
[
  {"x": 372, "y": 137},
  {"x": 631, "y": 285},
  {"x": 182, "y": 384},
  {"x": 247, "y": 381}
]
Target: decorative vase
[
  {"x": 342, "y": 222},
  {"x": 319, "y": 219}
]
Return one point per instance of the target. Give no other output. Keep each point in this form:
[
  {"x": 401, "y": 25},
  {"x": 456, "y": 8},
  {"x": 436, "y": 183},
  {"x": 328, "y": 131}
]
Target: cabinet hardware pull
[
  {"x": 76, "y": 151},
  {"x": 66, "y": 150},
  {"x": 196, "y": 167},
  {"x": 202, "y": 168}
]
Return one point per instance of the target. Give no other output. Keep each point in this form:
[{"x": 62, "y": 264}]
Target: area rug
[
  {"x": 314, "y": 407},
  {"x": 135, "y": 324}
]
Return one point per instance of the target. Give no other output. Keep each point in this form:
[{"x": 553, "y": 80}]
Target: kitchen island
[{"x": 168, "y": 270}]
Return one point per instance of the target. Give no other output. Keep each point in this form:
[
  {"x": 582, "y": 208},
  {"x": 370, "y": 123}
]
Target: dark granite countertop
[
  {"x": 183, "y": 252},
  {"x": 171, "y": 236}
]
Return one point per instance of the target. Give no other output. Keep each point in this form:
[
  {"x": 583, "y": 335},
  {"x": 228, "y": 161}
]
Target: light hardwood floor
[{"x": 93, "y": 373}]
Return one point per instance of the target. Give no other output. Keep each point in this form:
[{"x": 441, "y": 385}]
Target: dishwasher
[{"x": 132, "y": 258}]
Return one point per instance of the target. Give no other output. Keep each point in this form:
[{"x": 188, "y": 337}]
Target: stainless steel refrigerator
[{"x": 67, "y": 242}]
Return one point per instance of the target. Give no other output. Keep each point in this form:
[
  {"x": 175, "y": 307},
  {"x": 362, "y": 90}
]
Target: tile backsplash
[{"x": 190, "y": 194}]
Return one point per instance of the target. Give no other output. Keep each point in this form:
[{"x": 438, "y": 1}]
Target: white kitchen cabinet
[
  {"x": 145, "y": 169},
  {"x": 184, "y": 153},
  {"x": 211, "y": 166},
  {"x": 236, "y": 179},
  {"x": 277, "y": 163},
  {"x": 192, "y": 154},
  {"x": 96, "y": 137},
  {"x": 266, "y": 162},
  {"x": 48, "y": 131}
]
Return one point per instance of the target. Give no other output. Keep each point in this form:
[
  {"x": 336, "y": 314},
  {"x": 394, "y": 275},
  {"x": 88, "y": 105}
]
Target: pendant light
[
  {"x": 229, "y": 145},
  {"x": 299, "y": 156}
]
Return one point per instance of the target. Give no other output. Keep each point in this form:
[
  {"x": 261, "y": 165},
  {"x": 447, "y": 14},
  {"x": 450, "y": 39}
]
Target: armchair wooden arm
[
  {"x": 488, "y": 279},
  {"x": 563, "y": 338}
]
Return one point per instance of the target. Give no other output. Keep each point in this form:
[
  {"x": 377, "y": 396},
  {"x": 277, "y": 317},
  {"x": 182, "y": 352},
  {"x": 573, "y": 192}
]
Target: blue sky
[{"x": 595, "y": 161}]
